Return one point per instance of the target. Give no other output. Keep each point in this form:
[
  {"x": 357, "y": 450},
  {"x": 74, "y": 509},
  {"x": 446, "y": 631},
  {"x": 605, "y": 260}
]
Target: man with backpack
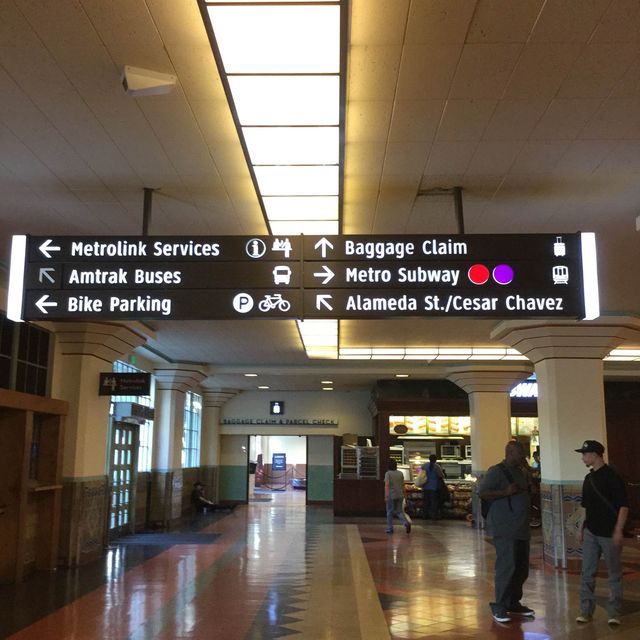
[
  {"x": 604, "y": 499},
  {"x": 506, "y": 486}
]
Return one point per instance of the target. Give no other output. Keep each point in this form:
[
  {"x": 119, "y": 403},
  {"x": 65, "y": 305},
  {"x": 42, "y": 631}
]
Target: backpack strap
[{"x": 509, "y": 476}]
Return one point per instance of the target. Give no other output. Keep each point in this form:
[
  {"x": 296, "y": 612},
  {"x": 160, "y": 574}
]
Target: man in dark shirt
[
  {"x": 199, "y": 503},
  {"x": 606, "y": 509},
  {"x": 507, "y": 486}
]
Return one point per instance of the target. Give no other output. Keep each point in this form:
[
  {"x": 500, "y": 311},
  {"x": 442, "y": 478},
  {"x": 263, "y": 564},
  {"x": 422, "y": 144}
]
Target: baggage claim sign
[{"x": 305, "y": 277}]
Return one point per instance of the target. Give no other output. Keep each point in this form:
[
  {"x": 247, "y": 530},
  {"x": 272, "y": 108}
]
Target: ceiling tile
[
  {"x": 483, "y": 70},
  {"x": 617, "y": 118},
  {"x": 372, "y": 72},
  {"x": 597, "y": 69},
  {"x": 540, "y": 70},
  {"x": 494, "y": 157},
  {"x": 539, "y": 157},
  {"x": 503, "y": 20},
  {"x": 426, "y": 71},
  {"x": 368, "y": 120},
  {"x": 564, "y": 119},
  {"x": 364, "y": 158},
  {"x": 620, "y": 23},
  {"x": 415, "y": 120},
  {"x": 439, "y": 21},
  {"x": 514, "y": 119},
  {"x": 450, "y": 157},
  {"x": 379, "y": 22},
  {"x": 568, "y": 20},
  {"x": 583, "y": 157},
  {"x": 629, "y": 85},
  {"x": 465, "y": 119}
]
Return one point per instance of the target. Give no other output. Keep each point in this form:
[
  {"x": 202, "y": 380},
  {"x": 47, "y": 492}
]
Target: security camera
[{"x": 144, "y": 82}]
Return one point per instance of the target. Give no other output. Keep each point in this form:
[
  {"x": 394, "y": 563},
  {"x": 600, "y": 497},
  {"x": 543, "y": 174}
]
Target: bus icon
[{"x": 281, "y": 275}]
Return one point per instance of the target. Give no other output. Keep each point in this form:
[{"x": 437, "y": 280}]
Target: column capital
[
  {"x": 217, "y": 397},
  {"x": 179, "y": 377},
  {"x": 104, "y": 340},
  {"x": 581, "y": 339},
  {"x": 487, "y": 378}
]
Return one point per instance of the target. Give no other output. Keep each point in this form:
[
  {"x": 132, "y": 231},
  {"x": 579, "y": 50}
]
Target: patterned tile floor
[{"x": 280, "y": 570}]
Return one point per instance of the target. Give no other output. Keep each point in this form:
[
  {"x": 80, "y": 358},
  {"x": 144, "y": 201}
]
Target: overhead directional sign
[{"x": 179, "y": 278}]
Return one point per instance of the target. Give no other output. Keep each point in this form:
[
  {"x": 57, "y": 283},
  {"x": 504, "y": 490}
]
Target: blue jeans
[
  {"x": 592, "y": 548},
  {"x": 394, "y": 506}
]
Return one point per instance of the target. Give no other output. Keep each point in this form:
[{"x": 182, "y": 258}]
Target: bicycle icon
[{"x": 275, "y": 301}]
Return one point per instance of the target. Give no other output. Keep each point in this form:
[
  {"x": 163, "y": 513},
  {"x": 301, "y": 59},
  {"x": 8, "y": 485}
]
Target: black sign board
[
  {"x": 226, "y": 277},
  {"x": 124, "y": 384},
  {"x": 279, "y": 462}
]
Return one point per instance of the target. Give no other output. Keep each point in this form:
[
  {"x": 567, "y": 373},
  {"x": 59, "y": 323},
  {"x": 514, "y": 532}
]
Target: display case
[
  {"x": 348, "y": 463},
  {"x": 368, "y": 462}
]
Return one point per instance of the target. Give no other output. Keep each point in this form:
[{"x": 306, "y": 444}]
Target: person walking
[
  {"x": 604, "y": 500},
  {"x": 394, "y": 496},
  {"x": 507, "y": 486},
  {"x": 431, "y": 489}
]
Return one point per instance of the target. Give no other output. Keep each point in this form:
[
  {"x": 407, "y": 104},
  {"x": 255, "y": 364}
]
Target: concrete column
[
  {"x": 212, "y": 401},
  {"x": 567, "y": 356},
  {"x": 172, "y": 383},
  {"x": 490, "y": 408},
  {"x": 82, "y": 352}
]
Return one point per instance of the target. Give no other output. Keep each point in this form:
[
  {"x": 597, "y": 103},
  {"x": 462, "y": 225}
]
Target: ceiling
[{"x": 532, "y": 107}]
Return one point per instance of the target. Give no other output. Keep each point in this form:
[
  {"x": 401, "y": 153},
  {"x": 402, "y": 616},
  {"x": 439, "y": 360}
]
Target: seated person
[{"x": 199, "y": 503}]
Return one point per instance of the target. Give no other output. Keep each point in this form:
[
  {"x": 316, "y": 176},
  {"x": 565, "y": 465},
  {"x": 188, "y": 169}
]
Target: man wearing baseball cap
[{"x": 604, "y": 500}]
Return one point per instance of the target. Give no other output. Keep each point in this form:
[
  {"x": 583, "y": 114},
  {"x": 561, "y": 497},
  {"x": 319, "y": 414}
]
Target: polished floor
[{"x": 279, "y": 570}]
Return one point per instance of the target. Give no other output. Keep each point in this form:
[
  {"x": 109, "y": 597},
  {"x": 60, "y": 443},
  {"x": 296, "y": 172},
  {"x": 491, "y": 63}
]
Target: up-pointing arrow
[
  {"x": 321, "y": 301},
  {"x": 44, "y": 273},
  {"x": 46, "y": 247},
  {"x": 326, "y": 273},
  {"x": 323, "y": 244},
  {"x": 42, "y": 304}
]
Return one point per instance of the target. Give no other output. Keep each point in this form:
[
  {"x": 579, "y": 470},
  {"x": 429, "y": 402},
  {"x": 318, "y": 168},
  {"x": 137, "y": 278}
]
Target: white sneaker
[
  {"x": 584, "y": 617},
  {"x": 614, "y": 621}
]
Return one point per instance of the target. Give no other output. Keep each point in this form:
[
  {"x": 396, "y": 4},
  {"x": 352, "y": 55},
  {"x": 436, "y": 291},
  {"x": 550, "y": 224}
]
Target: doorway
[
  {"x": 123, "y": 464},
  {"x": 277, "y": 467}
]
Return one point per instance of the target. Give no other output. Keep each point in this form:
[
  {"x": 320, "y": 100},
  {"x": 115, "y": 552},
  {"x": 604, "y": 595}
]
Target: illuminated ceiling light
[
  {"x": 327, "y": 388},
  {"x": 293, "y": 145},
  {"x": 326, "y": 381},
  {"x": 250, "y": 375},
  {"x": 299, "y": 181},
  {"x": 402, "y": 375},
  {"x": 277, "y": 38},
  {"x": 282, "y": 64},
  {"x": 293, "y": 207},
  {"x": 307, "y": 227},
  {"x": 319, "y": 337},
  {"x": 263, "y": 386}
]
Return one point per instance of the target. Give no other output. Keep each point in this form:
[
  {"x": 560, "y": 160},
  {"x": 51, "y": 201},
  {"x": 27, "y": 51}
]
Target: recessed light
[
  {"x": 250, "y": 375},
  {"x": 327, "y": 388},
  {"x": 264, "y": 386},
  {"x": 402, "y": 375},
  {"x": 326, "y": 381}
]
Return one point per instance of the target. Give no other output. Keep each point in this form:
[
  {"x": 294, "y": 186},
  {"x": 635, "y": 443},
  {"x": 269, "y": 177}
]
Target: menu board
[{"x": 430, "y": 425}]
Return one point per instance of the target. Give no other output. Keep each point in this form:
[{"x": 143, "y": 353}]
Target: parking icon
[{"x": 242, "y": 303}]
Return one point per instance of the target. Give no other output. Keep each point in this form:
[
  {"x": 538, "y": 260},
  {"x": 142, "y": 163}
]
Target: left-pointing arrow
[
  {"x": 44, "y": 273},
  {"x": 42, "y": 304},
  {"x": 46, "y": 247}
]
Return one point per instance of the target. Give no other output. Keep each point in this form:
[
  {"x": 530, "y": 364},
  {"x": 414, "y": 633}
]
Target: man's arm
[{"x": 618, "y": 532}]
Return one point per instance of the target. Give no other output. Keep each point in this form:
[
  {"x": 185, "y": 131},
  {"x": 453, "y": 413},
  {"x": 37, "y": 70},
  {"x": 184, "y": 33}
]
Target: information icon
[{"x": 256, "y": 248}]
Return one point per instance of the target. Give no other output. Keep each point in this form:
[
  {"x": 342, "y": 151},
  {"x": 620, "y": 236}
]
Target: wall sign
[
  {"x": 279, "y": 462},
  {"x": 276, "y": 408},
  {"x": 124, "y": 384},
  {"x": 181, "y": 278}
]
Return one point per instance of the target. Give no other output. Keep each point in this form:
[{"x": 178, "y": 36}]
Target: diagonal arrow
[
  {"x": 326, "y": 273},
  {"x": 44, "y": 273},
  {"x": 321, "y": 301},
  {"x": 46, "y": 247},
  {"x": 323, "y": 244},
  {"x": 42, "y": 304}
]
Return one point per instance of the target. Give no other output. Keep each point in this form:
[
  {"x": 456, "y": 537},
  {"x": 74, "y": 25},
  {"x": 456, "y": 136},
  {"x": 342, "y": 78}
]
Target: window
[
  {"x": 191, "y": 432},
  {"x": 23, "y": 366},
  {"x": 145, "y": 448}
]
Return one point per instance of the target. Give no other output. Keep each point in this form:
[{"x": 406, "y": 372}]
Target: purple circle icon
[{"x": 503, "y": 274}]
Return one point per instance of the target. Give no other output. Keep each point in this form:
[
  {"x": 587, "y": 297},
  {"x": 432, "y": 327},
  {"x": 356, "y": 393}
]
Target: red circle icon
[{"x": 478, "y": 274}]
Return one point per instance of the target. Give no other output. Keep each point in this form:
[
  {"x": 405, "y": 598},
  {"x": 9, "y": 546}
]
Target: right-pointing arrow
[
  {"x": 42, "y": 304},
  {"x": 326, "y": 273},
  {"x": 321, "y": 301},
  {"x": 44, "y": 273}
]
